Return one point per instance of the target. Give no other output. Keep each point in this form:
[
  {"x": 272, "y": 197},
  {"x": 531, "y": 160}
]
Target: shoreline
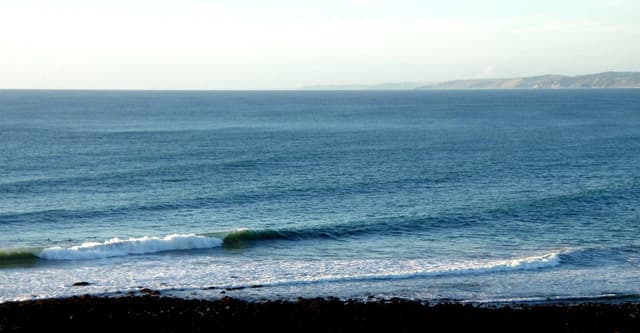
[{"x": 167, "y": 314}]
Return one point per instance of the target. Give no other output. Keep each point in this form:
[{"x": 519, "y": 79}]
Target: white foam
[
  {"x": 117, "y": 247},
  {"x": 525, "y": 263},
  {"x": 533, "y": 275},
  {"x": 418, "y": 268}
]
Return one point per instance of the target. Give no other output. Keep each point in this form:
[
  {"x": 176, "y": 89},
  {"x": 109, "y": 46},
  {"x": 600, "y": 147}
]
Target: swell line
[
  {"x": 240, "y": 238},
  {"x": 18, "y": 258},
  {"x": 393, "y": 226},
  {"x": 237, "y": 238}
]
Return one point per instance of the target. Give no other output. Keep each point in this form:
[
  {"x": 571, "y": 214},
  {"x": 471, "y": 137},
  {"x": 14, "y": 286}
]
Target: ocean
[{"x": 472, "y": 196}]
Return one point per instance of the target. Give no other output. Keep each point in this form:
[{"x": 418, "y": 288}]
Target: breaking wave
[{"x": 117, "y": 247}]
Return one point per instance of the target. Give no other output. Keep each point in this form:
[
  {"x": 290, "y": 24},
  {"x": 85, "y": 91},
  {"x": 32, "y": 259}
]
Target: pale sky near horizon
[{"x": 285, "y": 44}]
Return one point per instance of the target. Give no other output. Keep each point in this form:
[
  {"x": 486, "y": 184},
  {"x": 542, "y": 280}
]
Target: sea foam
[
  {"x": 420, "y": 269},
  {"x": 117, "y": 247}
]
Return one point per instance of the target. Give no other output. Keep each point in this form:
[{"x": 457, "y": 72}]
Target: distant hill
[
  {"x": 550, "y": 81},
  {"x": 589, "y": 81}
]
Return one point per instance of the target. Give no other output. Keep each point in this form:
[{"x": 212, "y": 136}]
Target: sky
[{"x": 287, "y": 44}]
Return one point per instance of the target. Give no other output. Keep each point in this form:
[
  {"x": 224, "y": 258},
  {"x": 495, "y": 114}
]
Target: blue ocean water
[{"x": 431, "y": 195}]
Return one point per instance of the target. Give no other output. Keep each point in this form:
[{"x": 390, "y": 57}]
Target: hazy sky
[{"x": 286, "y": 44}]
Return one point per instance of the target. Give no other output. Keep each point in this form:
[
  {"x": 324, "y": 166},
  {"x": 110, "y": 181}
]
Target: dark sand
[{"x": 162, "y": 314}]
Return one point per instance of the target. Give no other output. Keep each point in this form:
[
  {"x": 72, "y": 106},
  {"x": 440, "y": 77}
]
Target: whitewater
[{"x": 202, "y": 272}]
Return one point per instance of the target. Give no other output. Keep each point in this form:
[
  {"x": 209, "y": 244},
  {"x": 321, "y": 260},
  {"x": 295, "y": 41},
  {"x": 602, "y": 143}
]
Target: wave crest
[
  {"x": 17, "y": 258},
  {"x": 240, "y": 237},
  {"x": 117, "y": 247}
]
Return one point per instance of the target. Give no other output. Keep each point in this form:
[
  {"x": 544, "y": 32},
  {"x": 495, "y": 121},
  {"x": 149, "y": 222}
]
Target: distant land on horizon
[{"x": 549, "y": 81}]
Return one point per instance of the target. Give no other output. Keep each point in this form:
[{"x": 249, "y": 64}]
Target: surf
[
  {"x": 117, "y": 247},
  {"x": 371, "y": 270}
]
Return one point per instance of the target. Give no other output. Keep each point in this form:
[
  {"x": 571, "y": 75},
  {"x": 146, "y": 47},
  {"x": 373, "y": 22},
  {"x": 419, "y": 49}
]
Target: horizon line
[{"x": 304, "y": 89}]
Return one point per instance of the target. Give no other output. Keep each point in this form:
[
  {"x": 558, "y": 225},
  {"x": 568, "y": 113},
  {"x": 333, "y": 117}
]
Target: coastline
[{"x": 167, "y": 314}]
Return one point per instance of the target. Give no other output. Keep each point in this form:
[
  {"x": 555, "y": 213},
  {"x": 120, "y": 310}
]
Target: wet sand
[{"x": 163, "y": 314}]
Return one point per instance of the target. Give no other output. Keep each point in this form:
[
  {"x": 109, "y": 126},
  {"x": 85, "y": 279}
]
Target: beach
[{"x": 164, "y": 314}]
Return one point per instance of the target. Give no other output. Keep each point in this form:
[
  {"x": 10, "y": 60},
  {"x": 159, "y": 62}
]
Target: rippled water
[{"x": 471, "y": 195}]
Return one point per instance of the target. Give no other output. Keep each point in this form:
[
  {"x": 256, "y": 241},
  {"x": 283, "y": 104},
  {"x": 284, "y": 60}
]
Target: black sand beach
[{"x": 162, "y": 314}]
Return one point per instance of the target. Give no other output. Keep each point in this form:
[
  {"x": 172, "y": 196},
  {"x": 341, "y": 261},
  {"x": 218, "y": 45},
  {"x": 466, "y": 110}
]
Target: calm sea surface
[{"x": 432, "y": 195}]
